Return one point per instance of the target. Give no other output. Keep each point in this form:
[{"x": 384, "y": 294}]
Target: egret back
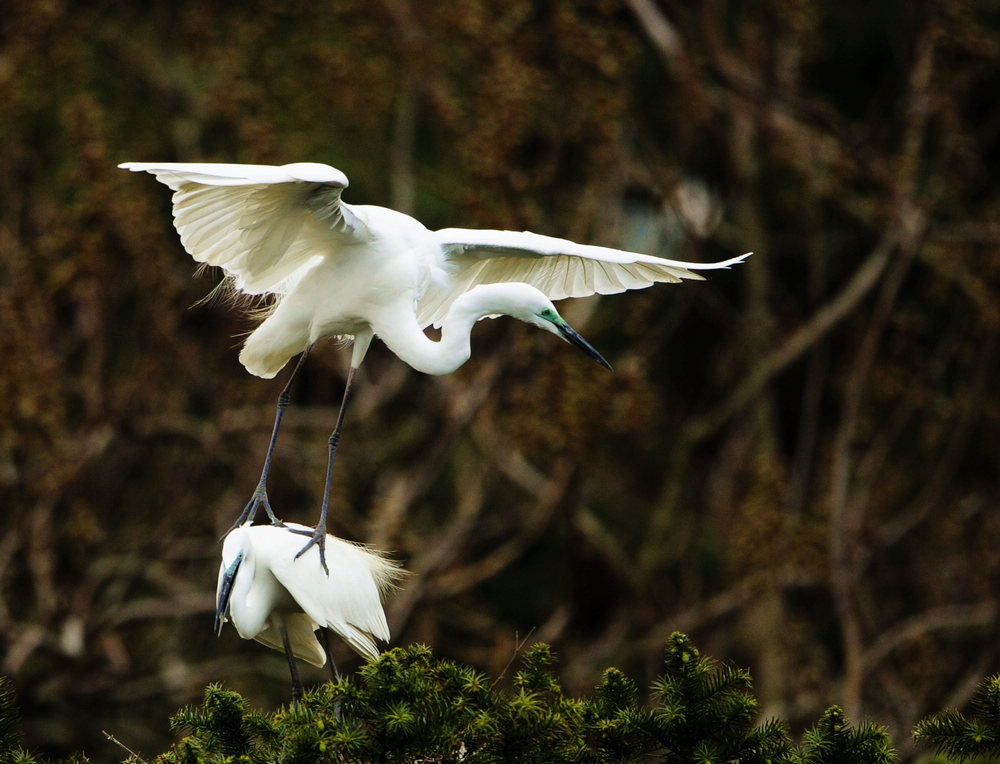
[{"x": 348, "y": 600}]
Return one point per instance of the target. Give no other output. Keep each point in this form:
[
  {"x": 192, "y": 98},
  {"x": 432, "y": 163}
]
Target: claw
[
  {"x": 260, "y": 498},
  {"x": 318, "y": 538},
  {"x": 249, "y": 512}
]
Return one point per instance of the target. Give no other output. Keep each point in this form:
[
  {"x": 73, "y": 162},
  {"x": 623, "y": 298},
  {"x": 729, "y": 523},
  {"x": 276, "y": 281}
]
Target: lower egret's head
[{"x": 233, "y": 553}]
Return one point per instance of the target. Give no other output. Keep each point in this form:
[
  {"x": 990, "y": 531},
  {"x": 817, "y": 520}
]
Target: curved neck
[
  {"x": 407, "y": 340},
  {"x": 246, "y": 612}
]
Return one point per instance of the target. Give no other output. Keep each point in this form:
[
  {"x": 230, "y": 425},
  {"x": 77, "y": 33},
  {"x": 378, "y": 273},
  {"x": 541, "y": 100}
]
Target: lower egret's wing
[
  {"x": 558, "y": 267},
  {"x": 358, "y": 578},
  {"x": 301, "y": 632},
  {"x": 348, "y": 600},
  {"x": 260, "y": 223}
]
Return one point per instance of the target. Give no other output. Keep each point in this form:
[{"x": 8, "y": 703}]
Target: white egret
[
  {"x": 361, "y": 271},
  {"x": 280, "y": 600}
]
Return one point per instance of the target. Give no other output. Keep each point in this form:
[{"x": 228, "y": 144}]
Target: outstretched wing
[
  {"x": 260, "y": 223},
  {"x": 558, "y": 267}
]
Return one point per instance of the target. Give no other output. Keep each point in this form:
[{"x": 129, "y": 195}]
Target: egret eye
[
  {"x": 549, "y": 315},
  {"x": 231, "y": 570}
]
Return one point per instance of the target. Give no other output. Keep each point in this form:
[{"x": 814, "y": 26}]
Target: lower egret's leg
[
  {"x": 324, "y": 638},
  {"x": 292, "y": 668},
  {"x": 259, "y": 497},
  {"x": 319, "y": 535}
]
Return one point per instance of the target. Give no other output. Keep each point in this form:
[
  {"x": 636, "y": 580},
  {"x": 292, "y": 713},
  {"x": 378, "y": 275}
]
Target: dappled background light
[{"x": 794, "y": 461}]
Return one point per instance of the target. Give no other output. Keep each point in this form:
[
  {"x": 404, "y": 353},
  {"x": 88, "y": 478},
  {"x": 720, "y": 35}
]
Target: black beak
[
  {"x": 569, "y": 334},
  {"x": 222, "y": 606},
  {"x": 225, "y": 592}
]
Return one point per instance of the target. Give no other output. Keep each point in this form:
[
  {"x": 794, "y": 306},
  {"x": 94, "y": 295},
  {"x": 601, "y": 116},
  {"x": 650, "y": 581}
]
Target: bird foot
[
  {"x": 318, "y": 539},
  {"x": 258, "y": 500}
]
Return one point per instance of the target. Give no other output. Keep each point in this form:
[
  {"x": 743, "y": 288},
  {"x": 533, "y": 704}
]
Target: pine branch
[
  {"x": 10, "y": 736},
  {"x": 833, "y": 740},
  {"x": 409, "y": 706},
  {"x": 954, "y": 734}
]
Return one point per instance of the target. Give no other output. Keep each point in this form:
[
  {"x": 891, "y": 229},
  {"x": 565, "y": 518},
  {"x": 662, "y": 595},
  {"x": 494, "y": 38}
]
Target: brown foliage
[{"x": 794, "y": 461}]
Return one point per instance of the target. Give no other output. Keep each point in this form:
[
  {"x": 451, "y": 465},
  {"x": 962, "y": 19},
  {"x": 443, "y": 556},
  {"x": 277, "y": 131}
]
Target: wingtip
[
  {"x": 742, "y": 258},
  {"x": 137, "y": 166},
  {"x": 738, "y": 260},
  {"x": 693, "y": 268}
]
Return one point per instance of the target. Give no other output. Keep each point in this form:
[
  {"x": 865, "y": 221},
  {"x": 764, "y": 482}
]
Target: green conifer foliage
[
  {"x": 409, "y": 706},
  {"x": 705, "y": 709},
  {"x": 833, "y": 740},
  {"x": 10, "y": 738},
  {"x": 952, "y": 733},
  {"x": 222, "y": 726}
]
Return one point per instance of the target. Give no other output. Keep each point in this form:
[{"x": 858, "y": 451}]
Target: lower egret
[
  {"x": 359, "y": 271},
  {"x": 280, "y": 600}
]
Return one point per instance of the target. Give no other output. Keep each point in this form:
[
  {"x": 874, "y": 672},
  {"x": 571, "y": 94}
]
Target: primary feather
[{"x": 260, "y": 224}]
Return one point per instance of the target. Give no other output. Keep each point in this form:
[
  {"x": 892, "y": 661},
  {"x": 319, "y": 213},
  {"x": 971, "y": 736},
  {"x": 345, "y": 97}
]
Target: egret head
[
  {"x": 547, "y": 317},
  {"x": 508, "y": 298},
  {"x": 532, "y": 306},
  {"x": 233, "y": 554}
]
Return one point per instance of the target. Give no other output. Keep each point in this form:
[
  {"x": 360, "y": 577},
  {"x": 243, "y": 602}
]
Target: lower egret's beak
[
  {"x": 225, "y": 592},
  {"x": 222, "y": 606},
  {"x": 569, "y": 334}
]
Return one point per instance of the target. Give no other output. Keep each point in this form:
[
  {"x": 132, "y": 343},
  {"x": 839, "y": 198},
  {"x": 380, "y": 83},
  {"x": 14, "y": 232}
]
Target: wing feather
[
  {"x": 349, "y": 600},
  {"x": 608, "y": 278},
  {"x": 301, "y": 638},
  {"x": 558, "y": 267},
  {"x": 261, "y": 224}
]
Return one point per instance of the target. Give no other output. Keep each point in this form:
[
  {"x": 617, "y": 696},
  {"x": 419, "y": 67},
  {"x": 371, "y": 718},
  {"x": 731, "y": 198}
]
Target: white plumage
[
  {"x": 263, "y": 589},
  {"x": 358, "y": 270},
  {"x": 361, "y": 271}
]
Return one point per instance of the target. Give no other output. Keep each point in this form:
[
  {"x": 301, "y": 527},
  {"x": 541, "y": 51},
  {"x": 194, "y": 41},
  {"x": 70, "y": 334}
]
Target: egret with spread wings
[{"x": 363, "y": 271}]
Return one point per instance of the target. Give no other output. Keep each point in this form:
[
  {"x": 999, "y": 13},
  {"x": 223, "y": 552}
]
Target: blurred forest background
[{"x": 794, "y": 461}]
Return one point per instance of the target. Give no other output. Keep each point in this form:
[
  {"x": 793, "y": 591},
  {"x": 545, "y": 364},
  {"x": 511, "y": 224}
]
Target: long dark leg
[
  {"x": 324, "y": 638},
  {"x": 259, "y": 497},
  {"x": 319, "y": 535},
  {"x": 292, "y": 668}
]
